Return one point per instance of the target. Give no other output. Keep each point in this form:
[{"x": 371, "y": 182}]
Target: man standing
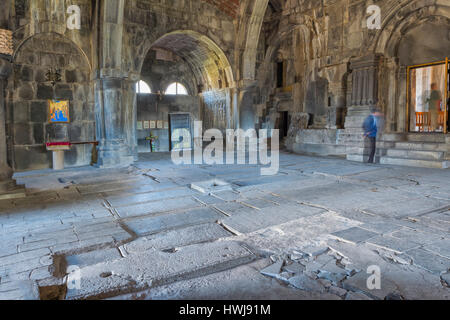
[
  {"x": 434, "y": 106},
  {"x": 370, "y": 132}
]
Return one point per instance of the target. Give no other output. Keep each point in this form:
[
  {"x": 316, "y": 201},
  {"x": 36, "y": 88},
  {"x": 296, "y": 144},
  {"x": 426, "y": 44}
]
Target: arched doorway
[
  {"x": 191, "y": 80},
  {"x": 427, "y": 75},
  {"x": 415, "y": 46}
]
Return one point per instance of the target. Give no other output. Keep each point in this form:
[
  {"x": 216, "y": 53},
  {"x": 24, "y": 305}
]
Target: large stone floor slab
[
  {"x": 153, "y": 268},
  {"x": 150, "y": 225},
  {"x": 260, "y": 219},
  {"x": 178, "y": 238},
  {"x": 355, "y": 235},
  {"x": 144, "y": 227}
]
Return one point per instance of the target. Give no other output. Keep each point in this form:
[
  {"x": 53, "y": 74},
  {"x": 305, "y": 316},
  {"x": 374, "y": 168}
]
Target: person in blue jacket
[{"x": 370, "y": 132}]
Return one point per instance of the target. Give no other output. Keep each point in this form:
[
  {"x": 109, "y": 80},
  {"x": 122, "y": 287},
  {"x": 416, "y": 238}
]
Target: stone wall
[
  {"x": 228, "y": 53},
  {"x": 115, "y": 38},
  {"x": 30, "y": 92},
  {"x": 317, "y": 44},
  {"x": 149, "y": 20},
  {"x": 152, "y": 108},
  {"x": 159, "y": 74}
]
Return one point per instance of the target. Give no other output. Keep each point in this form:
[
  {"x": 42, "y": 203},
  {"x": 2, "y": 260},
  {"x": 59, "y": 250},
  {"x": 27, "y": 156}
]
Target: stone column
[
  {"x": 115, "y": 122},
  {"x": 390, "y": 92},
  {"x": 364, "y": 96},
  {"x": 246, "y": 105},
  {"x": 8, "y": 187},
  {"x": 115, "y": 97}
]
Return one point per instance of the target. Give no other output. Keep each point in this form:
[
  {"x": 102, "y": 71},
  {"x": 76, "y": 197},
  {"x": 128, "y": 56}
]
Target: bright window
[
  {"x": 143, "y": 87},
  {"x": 177, "y": 89}
]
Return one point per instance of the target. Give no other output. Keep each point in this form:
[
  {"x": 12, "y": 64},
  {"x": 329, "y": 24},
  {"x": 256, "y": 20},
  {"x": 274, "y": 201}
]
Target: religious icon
[
  {"x": 160, "y": 124},
  {"x": 152, "y": 124},
  {"x": 58, "y": 111},
  {"x": 146, "y": 124},
  {"x": 140, "y": 125}
]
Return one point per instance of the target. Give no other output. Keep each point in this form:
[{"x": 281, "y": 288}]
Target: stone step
[
  {"x": 426, "y": 137},
  {"x": 361, "y": 158},
  {"x": 152, "y": 268},
  {"x": 319, "y": 149},
  {"x": 415, "y": 154},
  {"x": 393, "y": 137},
  {"x": 423, "y": 146},
  {"x": 365, "y": 151},
  {"x": 415, "y": 162}
]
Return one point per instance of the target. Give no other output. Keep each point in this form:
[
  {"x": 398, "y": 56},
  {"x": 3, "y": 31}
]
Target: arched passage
[
  {"x": 206, "y": 59},
  {"x": 417, "y": 34},
  {"x": 198, "y": 64}
]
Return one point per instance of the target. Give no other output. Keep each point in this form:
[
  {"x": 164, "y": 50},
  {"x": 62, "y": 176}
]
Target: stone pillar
[
  {"x": 8, "y": 187},
  {"x": 390, "y": 90},
  {"x": 115, "y": 97},
  {"x": 401, "y": 99},
  {"x": 247, "y": 115},
  {"x": 115, "y": 122},
  {"x": 364, "y": 96}
]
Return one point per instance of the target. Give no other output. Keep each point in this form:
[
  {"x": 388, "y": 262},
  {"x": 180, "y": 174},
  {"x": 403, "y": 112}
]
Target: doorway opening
[
  {"x": 179, "y": 127},
  {"x": 428, "y": 97},
  {"x": 284, "y": 124},
  {"x": 280, "y": 74}
]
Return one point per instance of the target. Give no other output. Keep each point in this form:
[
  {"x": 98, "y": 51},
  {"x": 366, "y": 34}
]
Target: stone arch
[
  {"x": 213, "y": 83},
  {"x": 277, "y": 39},
  {"x": 53, "y": 19},
  {"x": 208, "y": 62},
  {"x": 405, "y": 21},
  {"x": 250, "y": 30},
  {"x": 404, "y": 15},
  {"x": 145, "y": 24},
  {"x": 56, "y": 34}
]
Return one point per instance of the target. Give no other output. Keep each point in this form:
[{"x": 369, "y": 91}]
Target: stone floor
[{"x": 310, "y": 232}]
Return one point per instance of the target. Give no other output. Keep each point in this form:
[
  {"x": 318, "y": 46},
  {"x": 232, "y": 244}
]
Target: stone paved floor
[{"x": 309, "y": 232}]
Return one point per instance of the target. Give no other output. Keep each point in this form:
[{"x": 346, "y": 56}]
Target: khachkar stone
[{"x": 8, "y": 187}]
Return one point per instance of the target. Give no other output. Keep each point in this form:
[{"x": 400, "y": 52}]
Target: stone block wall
[
  {"x": 159, "y": 74},
  {"x": 318, "y": 42},
  {"x": 151, "y": 108},
  {"x": 30, "y": 91},
  {"x": 145, "y": 21}
]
